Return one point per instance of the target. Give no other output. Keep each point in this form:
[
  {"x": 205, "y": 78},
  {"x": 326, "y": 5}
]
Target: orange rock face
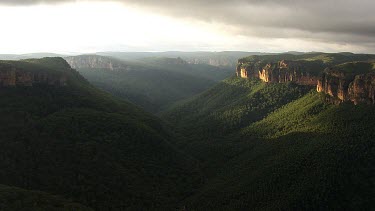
[
  {"x": 281, "y": 72},
  {"x": 338, "y": 85},
  {"x": 362, "y": 89},
  {"x": 354, "y": 88},
  {"x": 334, "y": 85}
]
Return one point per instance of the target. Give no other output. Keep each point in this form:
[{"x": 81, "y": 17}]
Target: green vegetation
[
  {"x": 355, "y": 67},
  {"x": 300, "y": 154},
  {"x": 240, "y": 145},
  {"x": 211, "y": 121},
  {"x": 79, "y": 142},
  {"x": 232, "y": 104},
  {"x": 52, "y": 66},
  {"x": 326, "y": 58}
]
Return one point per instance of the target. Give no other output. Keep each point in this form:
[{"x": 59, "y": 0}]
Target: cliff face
[
  {"x": 248, "y": 70},
  {"x": 11, "y": 76},
  {"x": 334, "y": 84},
  {"x": 362, "y": 89},
  {"x": 351, "y": 81},
  {"x": 94, "y": 62},
  {"x": 343, "y": 87},
  {"x": 281, "y": 72}
]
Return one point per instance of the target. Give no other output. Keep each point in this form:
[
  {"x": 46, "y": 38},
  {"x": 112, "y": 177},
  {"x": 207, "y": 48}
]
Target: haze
[{"x": 126, "y": 25}]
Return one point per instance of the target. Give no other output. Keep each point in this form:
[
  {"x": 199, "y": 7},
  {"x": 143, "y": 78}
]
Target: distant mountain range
[{"x": 225, "y": 58}]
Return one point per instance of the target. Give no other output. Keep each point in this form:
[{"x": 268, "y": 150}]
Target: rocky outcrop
[
  {"x": 95, "y": 62},
  {"x": 362, "y": 89},
  {"x": 250, "y": 70},
  {"x": 11, "y": 76},
  {"x": 335, "y": 84},
  {"x": 341, "y": 87},
  {"x": 281, "y": 72},
  {"x": 352, "y": 81},
  {"x": 239, "y": 71}
]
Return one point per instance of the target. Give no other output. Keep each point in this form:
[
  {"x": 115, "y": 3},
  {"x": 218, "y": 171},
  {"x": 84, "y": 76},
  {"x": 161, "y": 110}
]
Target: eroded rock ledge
[
  {"x": 300, "y": 72},
  {"x": 344, "y": 86},
  {"x": 352, "y": 81}
]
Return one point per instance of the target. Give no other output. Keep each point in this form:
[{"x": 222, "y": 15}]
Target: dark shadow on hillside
[{"x": 298, "y": 171}]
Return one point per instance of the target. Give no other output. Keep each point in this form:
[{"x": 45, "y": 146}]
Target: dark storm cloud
[{"x": 343, "y": 21}]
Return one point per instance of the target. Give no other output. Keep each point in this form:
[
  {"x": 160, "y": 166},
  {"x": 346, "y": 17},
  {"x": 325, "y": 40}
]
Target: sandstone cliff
[
  {"x": 300, "y": 72},
  {"x": 22, "y": 73},
  {"x": 95, "y": 62},
  {"x": 362, "y": 89},
  {"x": 355, "y": 85},
  {"x": 335, "y": 84},
  {"x": 351, "y": 81}
]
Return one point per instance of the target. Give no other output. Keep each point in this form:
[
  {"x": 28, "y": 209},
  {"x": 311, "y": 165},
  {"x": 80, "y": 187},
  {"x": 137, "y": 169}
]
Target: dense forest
[
  {"x": 279, "y": 146},
  {"x": 87, "y": 146},
  {"x": 240, "y": 144},
  {"x": 306, "y": 154}
]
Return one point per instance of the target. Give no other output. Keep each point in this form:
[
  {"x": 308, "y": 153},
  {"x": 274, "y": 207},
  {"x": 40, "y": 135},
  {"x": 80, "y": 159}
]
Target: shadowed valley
[{"x": 287, "y": 132}]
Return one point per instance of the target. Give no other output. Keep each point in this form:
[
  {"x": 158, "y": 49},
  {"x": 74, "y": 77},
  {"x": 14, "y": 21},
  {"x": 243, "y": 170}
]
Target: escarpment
[
  {"x": 351, "y": 81},
  {"x": 335, "y": 84},
  {"x": 95, "y": 62},
  {"x": 281, "y": 72},
  {"x": 362, "y": 89},
  {"x": 27, "y": 73}
]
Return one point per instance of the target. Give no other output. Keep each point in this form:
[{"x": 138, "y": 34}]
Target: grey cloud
[
  {"x": 342, "y": 21},
  {"x": 341, "y": 16}
]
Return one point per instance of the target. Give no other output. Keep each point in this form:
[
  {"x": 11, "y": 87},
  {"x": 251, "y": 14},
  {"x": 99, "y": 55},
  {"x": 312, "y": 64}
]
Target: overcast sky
[{"x": 69, "y": 26}]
